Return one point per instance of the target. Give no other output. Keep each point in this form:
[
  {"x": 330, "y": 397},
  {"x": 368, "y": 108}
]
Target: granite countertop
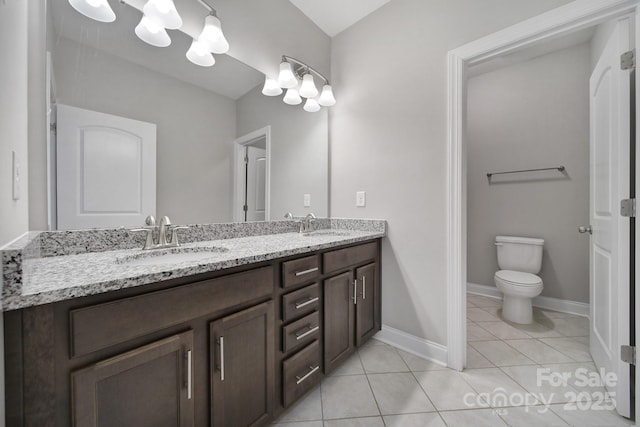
[{"x": 56, "y": 278}]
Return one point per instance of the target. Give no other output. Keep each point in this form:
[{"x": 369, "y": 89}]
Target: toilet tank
[{"x": 519, "y": 253}]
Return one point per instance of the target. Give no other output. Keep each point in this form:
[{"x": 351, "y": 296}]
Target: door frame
[
  {"x": 571, "y": 17},
  {"x": 238, "y": 171}
]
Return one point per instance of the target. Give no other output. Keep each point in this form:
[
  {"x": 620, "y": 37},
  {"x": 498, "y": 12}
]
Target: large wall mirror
[{"x": 141, "y": 130}]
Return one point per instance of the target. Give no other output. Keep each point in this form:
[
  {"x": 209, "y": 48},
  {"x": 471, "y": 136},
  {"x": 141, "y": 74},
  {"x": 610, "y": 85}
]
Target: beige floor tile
[
  {"x": 501, "y": 389},
  {"x": 447, "y": 390},
  {"x": 356, "y": 422},
  {"x": 309, "y": 408},
  {"x": 582, "y": 376},
  {"x": 535, "y": 379},
  {"x": 572, "y": 327},
  {"x": 347, "y": 397},
  {"x": 470, "y": 304},
  {"x": 538, "y": 351},
  {"x": 538, "y": 329},
  {"x": 473, "y": 418},
  {"x": 501, "y": 354},
  {"x": 351, "y": 366},
  {"x": 482, "y": 301},
  {"x": 431, "y": 419},
  {"x": 502, "y": 330},
  {"x": 399, "y": 393},
  {"x": 475, "y": 332},
  {"x": 590, "y": 417},
  {"x": 494, "y": 311},
  {"x": 550, "y": 314},
  {"x": 417, "y": 363},
  {"x": 476, "y": 360},
  {"x": 299, "y": 424},
  {"x": 532, "y": 416},
  {"x": 377, "y": 359},
  {"x": 479, "y": 315},
  {"x": 576, "y": 350}
]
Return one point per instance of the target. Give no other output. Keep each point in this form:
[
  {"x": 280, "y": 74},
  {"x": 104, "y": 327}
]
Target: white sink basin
[
  {"x": 327, "y": 233},
  {"x": 173, "y": 256}
]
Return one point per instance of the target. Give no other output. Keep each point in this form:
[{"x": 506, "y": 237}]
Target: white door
[
  {"x": 255, "y": 183},
  {"x": 106, "y": 170},
  {"x": 609, "y": 247}
]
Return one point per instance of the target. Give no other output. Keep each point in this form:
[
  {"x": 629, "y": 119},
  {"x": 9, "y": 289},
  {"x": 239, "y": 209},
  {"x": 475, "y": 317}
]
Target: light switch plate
[
  {"x": 361, "y": 199},
  {"x": 15, "y": 176},
  {"x": 307, "y": 200}
]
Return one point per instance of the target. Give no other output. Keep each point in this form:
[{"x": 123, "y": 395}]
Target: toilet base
[{"x": 517, "y": 309}]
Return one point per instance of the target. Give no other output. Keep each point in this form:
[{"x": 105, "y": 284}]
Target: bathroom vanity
[{"x": 230, "y": 342}]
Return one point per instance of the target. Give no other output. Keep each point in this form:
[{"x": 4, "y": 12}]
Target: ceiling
[{"x": 334, "y": 16}]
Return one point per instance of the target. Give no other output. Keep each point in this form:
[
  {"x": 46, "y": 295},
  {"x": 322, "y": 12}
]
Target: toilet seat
[{"x": 518, "y": 278}]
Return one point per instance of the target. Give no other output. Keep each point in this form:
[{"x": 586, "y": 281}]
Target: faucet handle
[
  {"x": 288, "y": 215},
  {"x": 174, "y": 234},
  {"x": 148, "y": 243},
  {"x": 150, "y": 221}
]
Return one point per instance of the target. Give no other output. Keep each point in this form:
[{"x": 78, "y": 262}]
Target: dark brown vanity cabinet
[
  {"x": 241, "y": 354},
  {"x": 149, "y": 386},
  {"x": 352, "y": 310}
]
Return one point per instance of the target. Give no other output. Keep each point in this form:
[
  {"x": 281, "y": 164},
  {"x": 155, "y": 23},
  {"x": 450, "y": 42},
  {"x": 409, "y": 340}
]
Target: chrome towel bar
[{"x": 558, "y": 168}]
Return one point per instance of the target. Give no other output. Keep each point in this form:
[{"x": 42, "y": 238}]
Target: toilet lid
[{"x": 518, "y": 277}]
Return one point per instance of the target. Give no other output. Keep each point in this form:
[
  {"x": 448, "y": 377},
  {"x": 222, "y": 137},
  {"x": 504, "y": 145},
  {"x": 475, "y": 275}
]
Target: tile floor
[{"x": 384, "y": 386}]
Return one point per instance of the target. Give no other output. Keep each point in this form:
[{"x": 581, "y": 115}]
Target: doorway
[
  {"x": 565, "y": 20},
  {"x": 252, "y": 176}
]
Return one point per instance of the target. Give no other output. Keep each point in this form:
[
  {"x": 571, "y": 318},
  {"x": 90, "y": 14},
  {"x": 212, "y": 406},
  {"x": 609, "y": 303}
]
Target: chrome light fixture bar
[
  {"x": 298, "y": 78},
  {"x": 157, "y": 17}
]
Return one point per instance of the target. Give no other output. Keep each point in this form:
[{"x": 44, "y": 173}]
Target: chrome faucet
[
  {"x": 164, "y": 228},
  {"x": 306, "y": 224}
]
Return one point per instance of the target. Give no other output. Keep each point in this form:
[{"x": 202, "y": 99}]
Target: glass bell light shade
[
  {"x": 164, "y": 13},
  {"x": 153, "y": 33},
  {"x": 308, "y": 88},
  {"x": 200, "y": 55},
  {"x": 212, "y": 35},
  {"x": 326, "y": 97},
  {"x": 311, "y": 105},
  {"x": 286, "y": 78},
  {"x": 271, "y": 87},
  {"x": 94, "y": 9},
  {"x": 292, "y": 97}
]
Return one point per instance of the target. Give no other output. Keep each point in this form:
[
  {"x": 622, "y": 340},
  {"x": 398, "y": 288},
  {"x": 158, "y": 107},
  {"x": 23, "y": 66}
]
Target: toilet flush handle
[{"x": 586, "y": 229}]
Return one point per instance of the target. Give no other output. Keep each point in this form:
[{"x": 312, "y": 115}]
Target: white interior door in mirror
[
  {"x": 256, "y": 182},
  {"x": 106, "y": 170}
]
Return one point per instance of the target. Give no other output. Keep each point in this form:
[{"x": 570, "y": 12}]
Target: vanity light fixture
[
  {"x": 298, "y": 78},
  {"x": 160, "y": 15},
  {"x": 94, "y": 9}
]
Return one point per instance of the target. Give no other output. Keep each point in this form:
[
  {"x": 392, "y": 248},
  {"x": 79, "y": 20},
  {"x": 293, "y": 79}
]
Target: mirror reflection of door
[{"x": 255, "y": 181}]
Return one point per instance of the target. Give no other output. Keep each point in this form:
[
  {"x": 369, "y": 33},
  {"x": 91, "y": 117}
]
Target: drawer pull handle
[
  {"x": 355, "y": 292},
  {"x": 364, "y": 288},
  {"x": 189, "y": 375},
  {"x": 303, "y": 272},
  {"x": 305, "y": 303},
  {"x": 221, "y": 343},
  {"x": 312, "y": 371},
  {"x": 301, "y": 335}
]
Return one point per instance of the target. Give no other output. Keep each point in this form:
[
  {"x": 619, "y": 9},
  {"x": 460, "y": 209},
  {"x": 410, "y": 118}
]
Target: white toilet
[{"x": 519, "y": 259}]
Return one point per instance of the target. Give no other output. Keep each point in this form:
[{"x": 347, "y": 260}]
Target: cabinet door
[
  {"x": 338, "y": 319},
  {"x": 149, "y": 386},
  {"x": 242, "y": 383},
  {"x": 366, "y": 307}
]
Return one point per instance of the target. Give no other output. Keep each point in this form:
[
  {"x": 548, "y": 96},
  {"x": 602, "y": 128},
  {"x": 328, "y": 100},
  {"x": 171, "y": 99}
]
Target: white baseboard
[
  {"x": 411, "y": 344},
  {"x": 555, "y": 304}
]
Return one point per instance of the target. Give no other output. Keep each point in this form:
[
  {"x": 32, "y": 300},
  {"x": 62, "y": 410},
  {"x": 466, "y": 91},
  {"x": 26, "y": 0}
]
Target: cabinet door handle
[
  {"x": 303, "y": 272},
  {"x": 189, "y": 375},
  {"x": 312, "y": 370},
  {"x": 355, "y": 292},
  {"x": 305, "y": 303},
  {"x": 221, "y": 343},
  {"x": 364, "y": 288},
  {"x": 309, "y": 331}
]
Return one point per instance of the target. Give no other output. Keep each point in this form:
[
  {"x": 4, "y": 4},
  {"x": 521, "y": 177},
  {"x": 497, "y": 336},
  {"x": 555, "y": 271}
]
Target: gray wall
[
  {"x": 299, "y": 151},
  {"x": 14, "y": 215},
  {"x": 533, "y": 114},
  {"x": 195, "y": 128},
  {"x": 388, "y": 137}
]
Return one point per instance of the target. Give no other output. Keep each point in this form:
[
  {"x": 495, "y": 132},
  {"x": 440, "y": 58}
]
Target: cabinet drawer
[
  {"x": 301, "y": 331},
  {"x": 103, "y": 325},
  {"x": 348, "y": 257},
  {"x": 300, "y": 302},
  {"x": 300, "y": 270},
  {"x": 300, "y": 372}
]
